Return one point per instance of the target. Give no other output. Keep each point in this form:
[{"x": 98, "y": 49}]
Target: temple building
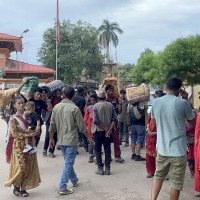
[{"x": 13, "y": 71}]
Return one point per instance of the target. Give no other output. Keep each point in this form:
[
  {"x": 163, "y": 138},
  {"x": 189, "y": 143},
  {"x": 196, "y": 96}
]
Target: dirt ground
[{"x": 127, "y": 181}]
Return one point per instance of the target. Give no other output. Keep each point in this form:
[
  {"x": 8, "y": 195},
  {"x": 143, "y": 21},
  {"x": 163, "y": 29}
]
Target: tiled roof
[
  {"x": 13, "y": 66},
  {"x": 10, "y": 42}
]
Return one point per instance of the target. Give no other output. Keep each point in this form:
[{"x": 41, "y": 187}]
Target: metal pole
[{"x": 56, "y": 58}]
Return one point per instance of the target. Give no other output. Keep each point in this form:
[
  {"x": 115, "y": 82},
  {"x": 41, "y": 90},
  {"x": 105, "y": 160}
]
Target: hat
[{"x": 101, "y": 93}]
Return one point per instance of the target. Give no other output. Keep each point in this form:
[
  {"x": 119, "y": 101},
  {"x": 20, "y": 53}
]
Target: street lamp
[{"x": 25, "y": 31}]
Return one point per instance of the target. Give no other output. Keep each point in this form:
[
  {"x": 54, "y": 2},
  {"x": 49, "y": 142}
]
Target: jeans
[
  {"x": 68, "y": 173},
  {"x": 85, "y": 142},
  {"x": 123, "y": 128},
  {"x": 100, "y": 138},
  {"x": 138, "y": 133},
  {"x": 91, "y": 150},
  {"x": 46, "y": 141}
]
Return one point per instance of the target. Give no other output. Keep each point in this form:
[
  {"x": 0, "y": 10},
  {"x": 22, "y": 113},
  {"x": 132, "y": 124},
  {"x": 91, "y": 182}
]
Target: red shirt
[{"x": 88, "y": 118}]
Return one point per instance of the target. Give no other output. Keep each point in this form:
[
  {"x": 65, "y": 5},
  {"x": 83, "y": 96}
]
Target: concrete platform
[{"x": 127, "y": 181}]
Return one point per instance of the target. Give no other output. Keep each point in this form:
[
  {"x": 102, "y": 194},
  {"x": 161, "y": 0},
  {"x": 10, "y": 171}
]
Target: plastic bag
[{"x": 28, "y": 89}]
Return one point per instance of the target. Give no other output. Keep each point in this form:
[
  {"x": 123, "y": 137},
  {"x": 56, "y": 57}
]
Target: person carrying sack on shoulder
[{"x": 136, "y": 122}]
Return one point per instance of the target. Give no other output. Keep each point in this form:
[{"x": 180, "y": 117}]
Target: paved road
[{"x": 127, "y": 182}]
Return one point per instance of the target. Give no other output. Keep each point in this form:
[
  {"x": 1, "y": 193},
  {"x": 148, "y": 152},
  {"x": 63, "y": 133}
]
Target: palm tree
[{"x": 108, "y": 34}]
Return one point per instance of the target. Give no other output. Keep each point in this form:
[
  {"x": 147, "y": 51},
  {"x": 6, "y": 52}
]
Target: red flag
[{"x": 58, "y": 24}]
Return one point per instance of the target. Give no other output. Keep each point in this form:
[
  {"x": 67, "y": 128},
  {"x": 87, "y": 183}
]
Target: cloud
[{"x": 146, "y": 23}]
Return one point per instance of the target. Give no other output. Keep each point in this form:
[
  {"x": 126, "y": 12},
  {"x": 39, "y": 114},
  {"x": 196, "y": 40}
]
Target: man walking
[
  {"x": 169, "y": 114},
  {"x": 123, "y": 118},
  {"x": 138, "y": 132},
  {"x": 66, "y": 120},
  {"x": 80, "y": 102},
  {"x": 104, "y": 119},
  {"x": 118, "y": 108}
]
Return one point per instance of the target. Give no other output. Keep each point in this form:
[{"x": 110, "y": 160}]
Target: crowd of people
[{"x": 170, "y": 133}]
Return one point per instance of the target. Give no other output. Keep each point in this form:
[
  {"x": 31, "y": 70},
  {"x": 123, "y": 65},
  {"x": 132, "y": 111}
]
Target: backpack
[{"x": 136, "y": 113}]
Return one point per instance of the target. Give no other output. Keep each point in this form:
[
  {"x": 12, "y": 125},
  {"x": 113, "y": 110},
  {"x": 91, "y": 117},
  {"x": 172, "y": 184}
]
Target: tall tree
[
  {"x": 180, "y": 58},
  {"x": 108, "y": 34},
  {"x": 123, "y": 71},
  {"x": 79, "y": 52}
]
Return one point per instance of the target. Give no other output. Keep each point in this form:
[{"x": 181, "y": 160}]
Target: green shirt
[{"x": 66, "y": 120}]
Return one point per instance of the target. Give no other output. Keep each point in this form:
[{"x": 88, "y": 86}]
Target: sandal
[
  {"x": 16, "y": 191},
  {"x": 24, "y": 193}
]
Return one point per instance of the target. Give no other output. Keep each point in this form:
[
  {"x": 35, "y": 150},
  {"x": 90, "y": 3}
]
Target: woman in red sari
[
  {"x": 197, "y": 158},
  {"x": 151, "y": 143},
  {"x": 151, "y": 148}
]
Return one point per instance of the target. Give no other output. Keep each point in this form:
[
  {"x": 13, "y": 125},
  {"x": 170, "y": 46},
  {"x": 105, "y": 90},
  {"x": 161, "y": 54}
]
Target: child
[
  {"x": 32, "y": 120},
  {"x": 88, "y": 118}
]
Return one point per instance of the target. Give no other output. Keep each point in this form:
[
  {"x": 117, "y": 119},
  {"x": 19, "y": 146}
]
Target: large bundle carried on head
[
  {"x": 51, "y": 87},
  {"x": 29, "y": 87},
  {"x": 113, "y": 81},
  {"x": 138, "y": 94},
  {"x": 6, "y": 96}
]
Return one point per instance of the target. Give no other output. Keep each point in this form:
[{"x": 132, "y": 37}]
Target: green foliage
[
  {"x": 145, "y": 70},
  {"x": 123, "y": 74},
  {"x": 78, "y": 51},
  {"x": 108, "y": 34},
  {"x": 181, "y": 58}
]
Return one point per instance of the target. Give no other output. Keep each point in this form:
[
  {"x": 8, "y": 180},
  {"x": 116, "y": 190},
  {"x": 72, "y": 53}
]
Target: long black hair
[{"x": 14, "y": 100}]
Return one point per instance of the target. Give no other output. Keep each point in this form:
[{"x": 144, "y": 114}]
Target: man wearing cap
[{"x": 104, "y": 119}]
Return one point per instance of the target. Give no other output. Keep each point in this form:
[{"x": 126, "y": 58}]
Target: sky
[{"x": 146, "y": 23}]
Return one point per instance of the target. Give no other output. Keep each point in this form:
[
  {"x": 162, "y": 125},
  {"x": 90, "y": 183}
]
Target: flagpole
[
  {"x": 57, "y": 38},
  {"x": 56, "y": 57},
  {"x": 57, "y": 41}
]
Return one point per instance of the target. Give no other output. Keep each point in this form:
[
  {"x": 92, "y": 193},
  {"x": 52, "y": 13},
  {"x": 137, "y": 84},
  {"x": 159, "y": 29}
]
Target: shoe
[
  {"x": 91, "y": 159},
  {"x": 107, "y": 171},
  {"x": 27, "y": 148},
  {"x": 44, "y": 152},
  {"x": 99, "y": 171},
  {"x": 119, "y": 159},
  {"x": 34, "y": 150},
  {"x": 75, "y": 184},
  {"x": 133, "y": 156},
  {"x": 139, "y": 158},
  {"x": 150, "y": 175},
  {"x": 51, "y": 155},
  {"x": 126, "y": 145},
  {"x": 120, "y": 143},
  {"x": 65, "y": 192},
  {"x": 58, "y": 148},
  {"x": 197, "y": 194}
]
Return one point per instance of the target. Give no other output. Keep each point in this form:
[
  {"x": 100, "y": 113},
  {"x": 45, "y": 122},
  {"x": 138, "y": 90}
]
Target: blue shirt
[{"x": 170, "y": 113}]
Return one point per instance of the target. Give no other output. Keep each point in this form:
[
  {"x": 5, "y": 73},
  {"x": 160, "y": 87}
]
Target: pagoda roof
[
  {"x": 14, "y": 66},
  {"x": 12, "y": 43}
]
